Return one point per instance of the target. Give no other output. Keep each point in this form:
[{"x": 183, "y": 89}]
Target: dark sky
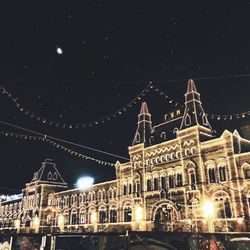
[{"x": 110, "y": 52}]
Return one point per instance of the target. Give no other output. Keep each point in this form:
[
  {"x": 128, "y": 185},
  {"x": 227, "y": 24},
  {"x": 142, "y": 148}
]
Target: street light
[
  {"x": 209, "y": 213},
  {"x": 138, "y": 213},
  {"x": 60, "y": 222},
  {"x": 85, "y": 182},
  {"x": 36, "y": 223}
]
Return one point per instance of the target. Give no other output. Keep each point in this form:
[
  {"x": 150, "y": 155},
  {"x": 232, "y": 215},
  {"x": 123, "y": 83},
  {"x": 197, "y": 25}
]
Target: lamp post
[{"x": 208, "y": 211}]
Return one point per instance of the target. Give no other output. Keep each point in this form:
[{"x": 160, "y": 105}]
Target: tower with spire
[
  {"x": 144, "y": 127},
  {"x": 194, "y": 114}
]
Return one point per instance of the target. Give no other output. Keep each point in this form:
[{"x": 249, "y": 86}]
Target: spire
[
  {"x": 144, "y": 126},
  {"x": 191, "y": 86},
  {"x": 144, "y": 108},
  {"x": 194, "y": 113}
]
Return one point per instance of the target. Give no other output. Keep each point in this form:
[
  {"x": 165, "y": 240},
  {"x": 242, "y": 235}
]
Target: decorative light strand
[
  {"x": 219, "y": 117},
  {"x": 165, "y": 96},
  {"x": 58, "y": 124},
  {"x": 55, "y": 144},
  {"x": 61, "y": 140}
]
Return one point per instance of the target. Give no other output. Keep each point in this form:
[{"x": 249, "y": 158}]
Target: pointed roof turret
[
  {"x": 191, "y": 86},
  {"x": 144, "y": 126},
  {"x": 144, "y": 108},
  {"x": 194, "y": 113}
]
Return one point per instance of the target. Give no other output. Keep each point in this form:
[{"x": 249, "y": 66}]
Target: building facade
[{"x": 180, "y": 177}]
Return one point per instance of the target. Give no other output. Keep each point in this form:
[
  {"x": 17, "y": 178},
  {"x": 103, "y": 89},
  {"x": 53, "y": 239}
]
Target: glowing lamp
[
  {"x": 208, "y": 209},
  {"x": 85, "y": 182},
  {"x": 17, "y": 223},
  {"x": 60, "y": 220},
  {"x": 138, "y": 214},
  {"x": 36, "y": 221},
  {"x": 93, "y": 217},
  {"x": 240, "y": 221}
]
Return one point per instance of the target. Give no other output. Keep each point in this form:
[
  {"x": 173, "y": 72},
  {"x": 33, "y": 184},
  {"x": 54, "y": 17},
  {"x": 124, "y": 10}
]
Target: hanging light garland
[
  {"x": 43, "y": 120},
  {"x": 171, "y": 101},
  {"x": 56, "y": 145},
  {"x": 219, "y": 117}
]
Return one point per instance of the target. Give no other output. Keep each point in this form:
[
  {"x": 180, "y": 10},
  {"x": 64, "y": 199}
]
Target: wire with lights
[
  {"x": 21, "y": 108},
  {"x": 55, "y": 144},
  {"x": 53, "y": 141}
]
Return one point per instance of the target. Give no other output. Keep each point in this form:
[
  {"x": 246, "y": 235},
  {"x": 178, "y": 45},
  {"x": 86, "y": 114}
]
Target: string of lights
[
  {"x": 219, "y": 117},
  {"x": 21, "y": 108},
  {"x": 62, "y": 140},
  {"x": 55, "y": 144}
]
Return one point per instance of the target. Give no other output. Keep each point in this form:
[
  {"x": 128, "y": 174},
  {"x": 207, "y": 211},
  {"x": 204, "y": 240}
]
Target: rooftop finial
[{"x": 191, "y": 86}]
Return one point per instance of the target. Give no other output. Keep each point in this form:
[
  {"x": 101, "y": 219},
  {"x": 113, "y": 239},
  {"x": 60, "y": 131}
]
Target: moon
[{"x": 59, "y": 51}]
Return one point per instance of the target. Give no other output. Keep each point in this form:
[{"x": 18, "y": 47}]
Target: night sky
[{"x": 80, "y": 62}]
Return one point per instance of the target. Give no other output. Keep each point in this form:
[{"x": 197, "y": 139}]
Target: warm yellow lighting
[
  {"x": 36, "y": 221},
  {"x": 208, "y": 209},
  {"x": 17, "y": 223},
  {"x": 60, "y": 220},
  {"x": 240, "y": 221},
  {"x": 138, "y": 214},
  {"x": 93, "y": 217}
]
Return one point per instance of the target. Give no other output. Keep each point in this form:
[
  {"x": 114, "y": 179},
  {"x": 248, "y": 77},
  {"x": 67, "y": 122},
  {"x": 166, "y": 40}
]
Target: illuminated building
[{"x": 180, "y": 177}]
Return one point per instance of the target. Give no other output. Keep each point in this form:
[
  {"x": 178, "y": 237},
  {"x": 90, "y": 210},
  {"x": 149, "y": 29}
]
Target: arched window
[
  {"x": 110, "y": 193},
  {"x": 102, "y": 216},
  {"x": 137, "y": 137},
  {"x": 247, "y": 173},
  {"x": 156, "y": 183},
  {"x": 74, "y": 217},
  {"x": 114, "y": 193},
  {"x": 127, "y": 214},
  {"x": 55, "y": 176},
  {"x": 130, "y": 188},
  {"x": 211, "y": 174},
  {"x": 104, "y": 194},
  {"x": 149, "y": 185},
  {"x": 49, "y": 176},
  {"x": 179, "y": 180},
  {"x": 204, "y": 119},
  {"x": 222, "y": 173},
  {"x": 171, "y": 181},
  {"x": 82, "y": 217},
  {"x": 124, "y": 189},
  {"x": 99, "y": 195},
  {"x": 163, "y": 183},
  {"x": 113, "y": 215},
  {"x": 187, "y": 120},
  {"x": 228, "y": 208}
]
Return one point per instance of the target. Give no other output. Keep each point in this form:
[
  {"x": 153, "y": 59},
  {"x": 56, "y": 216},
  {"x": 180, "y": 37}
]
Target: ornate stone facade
[{"x": 180, "y": 177}]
